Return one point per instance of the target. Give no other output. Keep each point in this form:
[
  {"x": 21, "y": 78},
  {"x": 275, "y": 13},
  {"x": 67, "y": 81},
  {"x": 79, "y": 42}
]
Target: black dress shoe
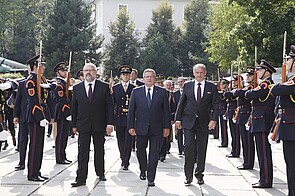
[
  {"x": 63, "y": 163},
  {"x": 125, "y": 167},
  {"x": 188, "y": 181},
  {"x": 222, "y": 146},
  {"x": 36, "y": 179},
  {"x": 162, "y": 159},
  {"x": 67, "y": 160},
  {"x": 76, "y": 184},
  {"x": 102, "y": 178},
  {"x": 150, "y": 183},
  {"x": 19, "y": 167},
  {"x": 142, "y": 176},
  {"x": 200, "y": 181},
  {"x": 5, "y": 146},
  {"x": 232, "y": 156},
  {"x": 43, "y": 177},
  {"x": 258, "y": 185},
  {"x": 242, "y": 167}
]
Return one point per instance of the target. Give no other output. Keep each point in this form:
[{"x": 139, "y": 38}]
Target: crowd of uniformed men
[{"x": 249, "y": 112}]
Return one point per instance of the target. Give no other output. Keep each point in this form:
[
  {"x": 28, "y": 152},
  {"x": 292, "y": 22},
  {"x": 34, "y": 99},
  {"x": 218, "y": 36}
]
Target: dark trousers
[
  {"x": 248, "y": 147},
  {"x": 9, "y": 118},
  {"x": 35, "y": 149},
  {"x": 23, "y": 134},
  {"x": 215, "y": 131},
  {"x": 196, "y": 141},
  {"x": 264, "y": 158},
  {"x": 150, "y": 164},
  {"x": 120, "y": 134},
  {"x": 164, "y": 147},
  {"x": 288, "y": 149},
  {"x": 61, "y": 140},
  {"x": 129, "y": 141},
  {"x": 235, "y": 135},
  {"x": 180, "y": 143},
  {"x": 83, "y": 154},
  {"x": 223, "y": 131}
]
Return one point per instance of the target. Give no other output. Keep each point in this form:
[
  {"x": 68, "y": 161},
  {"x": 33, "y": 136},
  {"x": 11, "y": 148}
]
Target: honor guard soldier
[
  {"x": 242, "y": 116},
  {"x": 286, "y": 120},
  {"x": 62, "y": 113},
  {"x": 38, "y": 116},
  {"x": 133, "y": 78},
  {"x": 262, "y": 116},
  {"x": 230, "y": 113},
  {"x": 222, "y": 106},
  {"x": 80, "y": 75},
  {"x": 121, "y": 95}
]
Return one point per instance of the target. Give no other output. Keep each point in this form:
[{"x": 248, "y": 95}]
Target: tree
[
  {"x": 70, "y": 28},
  {"x": 161, "y": 29},
  {"x": 191, "y": 47},
  {"x": 158, "y": 56},
  {"x": 124, "y": 45},
  {"x": 224, "y": 42}
]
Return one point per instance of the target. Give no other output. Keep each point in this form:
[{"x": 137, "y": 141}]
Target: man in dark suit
[
  {"x": 197, "y": 113},
  {"x": 121, "y": 97},
  {"x": 148, "y": 119},
  {"x": 179, "y": 132},
  {"x": 92, "y": 115},
  {"x": 19, "y": 114},
  {"x": 133, "y": 78}
]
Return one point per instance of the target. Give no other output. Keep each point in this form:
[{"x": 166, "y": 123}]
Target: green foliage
[
  {"x": 162, "y": 35},
  {"x": 11, "y": 75},
  {"x": 70, "y": 28},
  {"x": 123, "y": 48},
  {"x": 193, "y": 40}
]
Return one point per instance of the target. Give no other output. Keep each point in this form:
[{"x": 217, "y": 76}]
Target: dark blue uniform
[
  {"x": 121, "y": 103},
  {"x": 222, "y": 124},
  {"x": 61, "y": 112},
  {"x": 286, "y": 127},
  {"x": 35, "y": 113},
  {"x": 20, "y": 111},
  {"x": 234, "y": 128},
  {"x": 244, "y": 110},
  {"x": 262, "y": 116}
]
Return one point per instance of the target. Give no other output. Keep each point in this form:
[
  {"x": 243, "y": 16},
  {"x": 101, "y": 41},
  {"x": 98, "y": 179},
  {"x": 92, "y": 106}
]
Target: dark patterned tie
[
  {"x": 90, "y": 93},
  {"x": 149, "y": 98},
  {"x": 199, "y": 93}
]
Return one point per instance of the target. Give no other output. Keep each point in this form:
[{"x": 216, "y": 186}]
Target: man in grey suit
[
  {"x": 148, "y": 119},
  {"x": 197, "y": 113}
]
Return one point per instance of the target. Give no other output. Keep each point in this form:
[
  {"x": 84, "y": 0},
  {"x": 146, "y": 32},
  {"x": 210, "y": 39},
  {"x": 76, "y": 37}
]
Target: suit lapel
[
  {"x": 155, "y": 95},
  {"x": 192, "y": 88},
  {"x": 83, "y": 90},
  {"x": 143, "y": 92},
  {"x": 94, "y": 90}
]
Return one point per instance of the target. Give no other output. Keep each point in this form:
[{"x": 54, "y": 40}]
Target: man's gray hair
[
  {"x": 199, "y": 65},
  {"x": 89, "y": 64},
  {"x": 149, "y": 70}
]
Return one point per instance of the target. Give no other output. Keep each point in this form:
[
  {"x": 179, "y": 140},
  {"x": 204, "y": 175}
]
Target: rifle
[
  {"x": 255, "y": 73},
  {"x": 69, "y": 76},
  {"x": 111, "y": 83},
  {"x": 39, "y": 73},
  {"x": 218, "y": 83},
  {"x": 231, "y": 78},
  {"x": 239, "y": 75},
  {"x": 277, "y": 120}
]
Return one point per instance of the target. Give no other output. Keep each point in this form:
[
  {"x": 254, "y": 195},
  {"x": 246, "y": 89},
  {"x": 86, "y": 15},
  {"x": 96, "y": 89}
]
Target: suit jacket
[
  {"x": 189, "y": 110},
  {"x": 121, "y": 102},
  {"x": 20, "y": 104},
  {"x": 95, "y": 115},
  {"x": 141, "y": 117}
]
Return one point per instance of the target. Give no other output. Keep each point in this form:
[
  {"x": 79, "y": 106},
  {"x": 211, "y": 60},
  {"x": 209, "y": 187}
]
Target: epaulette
[
  {"x": 30, "y": 77},
  {"x": 116, "y": 84},
  {"x": 289, "y": 83},
  {"x": 264, "y": 85}
]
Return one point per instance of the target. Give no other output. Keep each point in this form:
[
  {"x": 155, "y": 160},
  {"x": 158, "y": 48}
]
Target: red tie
[
  {"x": 90, "y": 93},
  {"x": 199, "y": 93}
]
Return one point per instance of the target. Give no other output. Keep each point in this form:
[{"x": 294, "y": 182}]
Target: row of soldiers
[{"x": 259, "y": 116}]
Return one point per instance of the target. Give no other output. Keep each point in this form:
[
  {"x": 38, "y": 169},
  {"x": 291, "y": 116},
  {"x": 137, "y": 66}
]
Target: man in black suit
[
  {"x": 92, "y": 115},
  {"x": 133, "y": 78},
  {"x": 19, "y": 113},
  {"x": 179, "y": 132},
  {"x": 197, "y": 113},
  {"x": 148, "y": 119}
]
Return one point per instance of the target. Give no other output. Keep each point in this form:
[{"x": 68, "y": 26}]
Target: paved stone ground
[{"x": 221, "y": 176}]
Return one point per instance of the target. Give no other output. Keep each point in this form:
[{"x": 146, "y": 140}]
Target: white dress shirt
[
  {"x": 196, "y": 88},
  {"x": 86, "y": 84},
  {"x": 151, "y": 91}
]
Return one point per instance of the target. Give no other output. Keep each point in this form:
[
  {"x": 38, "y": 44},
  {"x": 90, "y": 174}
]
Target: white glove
[
  {"x": 5, "y": 86},
  {"x": 70, "y": 88},
  {"x": 44, "y": 122},
  {"x": 45, "y": 85},
  {"x": 69, "y": 118}
]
